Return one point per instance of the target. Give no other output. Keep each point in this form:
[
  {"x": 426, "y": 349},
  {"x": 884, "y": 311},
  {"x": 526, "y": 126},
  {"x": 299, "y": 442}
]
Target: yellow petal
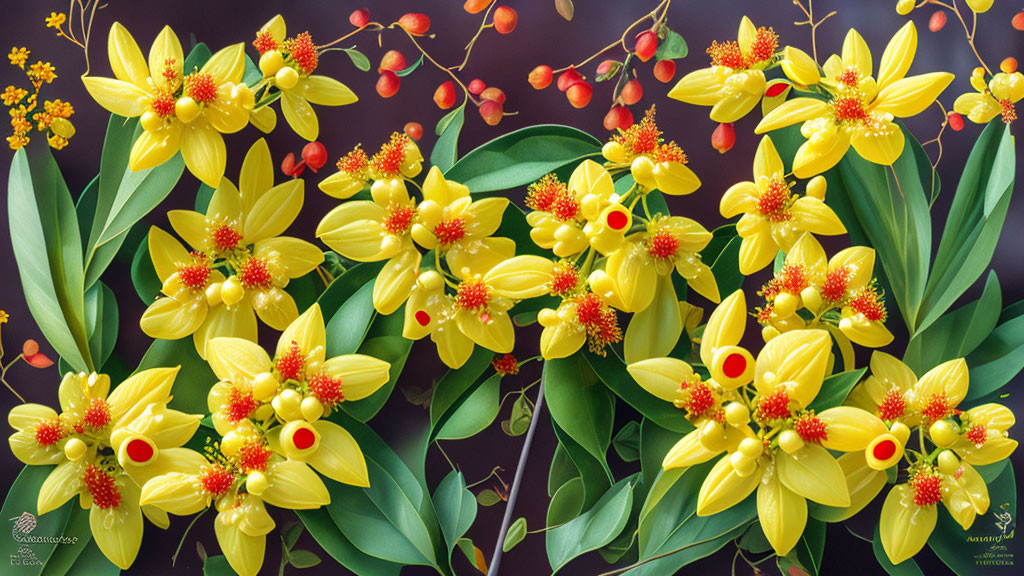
[
  {"x": 227, "y": 115},
  {"x": 140, "y": 390},
  {"x": 273, "y": 212},
  {"x": 850, "y": 429},
  {"x": 965, "y": 497},
  {"x": 226, "y": 201},
  {"x": 300, "y": 116},
  {"x": 294, "y": 257},
  {"x": 634, "y": 276},
  {"x": 360, "y": 375},
  {"x": 307, "y": 331},
  {"x": 561, "y": 341},
  {"x": 118, "y": 96},
  {"x": 881, "y": 145},
  {"x": 724, "y": 488},
  {"x": 495, "y": 333},
  {"x": 816, "y": 217},
  {"x": 157, "y": 517},
  {"x": 118, "y": 531},
  {"x": 63, "y": 483},
  {"x": 856, "y": 53},
  {"x": 227, "y": 64},
  {"x": 165, "y": 252},
  {"x": 354, "y": 230},
  {"x": 736, "y": 105},
  {"x": 991, "y": 415},
  {"x": 701, "y": 87},
  {"x": 791, "y": 112},
  {"x": 746, "y": 34},
  {"x": 996, "y": 448},
  {"x": 176, "y": 493},
  {"x": 757, "y": 250},
  {"x": 782, "y": 513},
  {"x": 395, "y": 281},
  {"x": 864, "y": 483},
  {"x": 904, "y": 527},
  {"x": 814, "y": 474},
  {"x": 796, "y": 359},
  {"x": 675, "y": 178},
  {"x": 661, "y": 376},
  {"x": 860, "y": 330},
  {"x": 221, "y": 321},
  {"x": 276, "y": 28},
  {"x": 739, "y": 198},
  {"x": 767, "y": 162},
  {"x": 521, "y": 277},
  {"x": 325, "y": 91},
  {"x": 339, "y": 457},
  {"x": 485, "y": 216},
  {"x": 725, "y": 326},
  {"x": 154, "y": 148},
  {"x": 191, "y": 226},
  {"x": 948, "y": 379},
  {"x": 479, "y": 256},
  {"x": 204, "y": 154},
  {"x": 166, "y": 48},
  {"x": 824, "y": 150},
  {"x": 911, "y": 96},
  {"x": 126, "y": 59},
  {"x": 453, "y": 347},
  {"x": 341, "y": 185},
  {"x": 799, "y": 66},
  {"x": 898, "y": 55},
  {"x": 859, "y": 262},
  {"x": 236, "y": 360},
  {"x": 891, "y": 371},
  {"x": 264, "y": 119},
  {"x": 654, "y": 331},
  {"x": 688, "y": 451},
  {"x": 295, "y": 486},
  {"x": 243, "y": 552},
  {"x": 171, "y": 319}
]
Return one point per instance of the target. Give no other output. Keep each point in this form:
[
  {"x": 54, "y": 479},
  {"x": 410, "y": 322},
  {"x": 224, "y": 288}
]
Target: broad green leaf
[
  {"x": 975, "y": 221},
  {"x": 579, "y": 404},
  {"x": 147, "y": 284},
  {"x": 345, "y": 285},
  {"x": 612, "y": 371},
  {"x": 627, "y": 441},
  {"x": 326, "y": 533},
  {"x": 474, "y": 554},
  {"x": 597, "y": 477},
  {"x": 475, "y": 413},
  {"x": 193, "y": 381},
  {"x": 956, "y": 334},
  {"x": 754, "y": 540},
  {"x": 561, "y": 470},
  {"x": 671, "y": 47},
  {"x": 446, "y": 147},
  {"x": 455, "y": 387},
  {"x": 808, "y": 551},
  {"x": 85, "y": 207},
  {"x": 65, "y": 556},
  {"x": 655, "y": 442},
  {"x": 514, "y": 226},
  {"x": 567, "y": 502},
  {"x": 516, "y": 533},
  {"x": 217, "y": 566},
  {"x": 592, "y": 529},
  {"x": 383, "y": 341},
  {"x": 1000, "y": 356},
  {"x": 455, "y": 506},
  {"x": 359, "y": 60},
  {"x": 410, "y": 68},
  {"x": 905, "y": 568},
  {"x": 92, "y": 562},
  {"x": 347, "y": 327},
  {"x": 48, "y": 249},
  {"x": 520, "y": 157},
  {"x": 197, "y": 57},
  {"x": 835, "y": 389},
  {"x": 722, "y": 254},
  {"x": 101, "y": 322},
  {"x": 252, "y": 74},
  {"x": 20, "y": 513},
  {"x": 302, "y": 558}
]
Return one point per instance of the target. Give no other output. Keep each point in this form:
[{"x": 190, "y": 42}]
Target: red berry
[
  {"x": 388, "y": 84},
  {"x": 540, "y": 77},
  {"x": 579, "y": 94},
  {"x": 444, "y": 96},
  {"x": 632, "y": 92},
  {"x": 1018, "y": 21},
  {"x": 776, "y": 89},
  {"x": 664, "y": 70},
  {"x": 1008, "y": 65},
  {"x": 393, "y": 60},
  {"x": 359, "y": 18},
  {"x": 416, "y": 23},
  {"x": 505, "y": 19},
  {"x": 956, "y": 122},
  {"x": 414, "y": 130},
  {"x": 491, "y": 112},
  {"x": 288, "y": 165},
  {"x": 492, "y": 93},
  {"x": 605, "y": 67},
  {"x": 476, "y": 6},
  {"x": 618, "y": 117},
  {"x": 476, "y": 86},
  {"x": 646, "y": 45},
  {"x": 30, "y": 347},
  {"x": 314, "y": 155},
  {"x": 568, "y": 78},
  {"x": 723, "y": 138},
  {"x": 937, "y": 21},
  {"x": 39, "y": 360}
]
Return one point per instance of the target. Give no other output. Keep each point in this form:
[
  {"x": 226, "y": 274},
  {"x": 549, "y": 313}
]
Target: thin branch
[
  {"x": 483, "y": 26},
  {"x": 659, "y": 556},
  {"x": 652, "y": 15}
]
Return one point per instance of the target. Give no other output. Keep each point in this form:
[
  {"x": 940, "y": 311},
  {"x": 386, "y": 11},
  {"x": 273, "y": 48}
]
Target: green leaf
[
  {"x": 446, "y": 148},
  {"x": 359, "y": 60},
  {"x": 520, "y": 157},
  {"x": 1000, "y": 356},
  {"x": 383, "y": 341},
  {"x": 345, "y": 285},
  {"x": 906, "y": 568},
  {"x": 347, "y": 327},
  {"x": 975, "y": 221},
  {"x": 455, "y": 506},
  {"x": 516, "y": 533},
  {"x": 19, "y": 509},
  {"x": 891, "y": 206},
  {"x": 808, "y": 551},
  {"x": 193, "y": 381},
  {"x": 217, "y": 566},
  {"x": 291, "y": 537},
  {"x": 592, "y": 529},
  {"x": 835, "y": 389},
  {"x": 956, "y": 334},
  {"x": 101, "y": 322},
  {"x": 85, "y": 206},
  {"x": 627, "y": 441},
  {"x": 48, "y": 250},
  {"x": 64, "y": 556},
  {"x": 411, "y": 68},
  {"x": 92, "y": 562},
  {"x": 302, "y": 558},
  {"x": 672, "y": 46},
  {"x": 124, "y": 196},
  {"x": 597, "y": 477},
  {"x": 475, "y": 413},
  {"x": 567, "y": 503},
  {"x": 147, "y": 284},
  {"x": 252, "y": 74},
  {"x": 581, "y": 407},
  {"x": 723, "y": 255},
  {"x": 473, "y": 554},
  {"x": 655, "y": 442},
  {"x": 488, "y": 498},
  {"x": 612, "y": 371},
  {"x": 754, "y": 540},
  {"x": 515, "y": 226},
  {"x": 198, "y": 56},
  {"x": 522, "y": 414},
  {"x": 561, "y": 470},
  {"x": 327, "y": 534},
  {"x": 455, "y": 387}
]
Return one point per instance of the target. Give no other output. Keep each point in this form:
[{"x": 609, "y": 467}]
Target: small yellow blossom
[
  {"x": 56, "y": 20},
  {"x": 4, "y": 317},
  {"x": 42, "y": 72},
  {"x": 13, "y": 95},
  {"x": 18, "y": 57}
]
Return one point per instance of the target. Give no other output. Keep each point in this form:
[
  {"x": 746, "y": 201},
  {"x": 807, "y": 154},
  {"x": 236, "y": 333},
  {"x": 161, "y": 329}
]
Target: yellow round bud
[
  {"x": 751, "y": 447},
  {"x": 231, "y": 291},
  {"x": 151, "y": 121},
  {"x": 256, "y": 483},
  {"x": 186, "y": 109},
  {"x": 948, "y": 462},
  {"x": 811, "y": 298},
  {"x": 299, "y": 439},
  {"x": 213, "y": 293},
  {"x": 943, "y": 433},
  {"x": 743, "y": 465},
  {"x": 264, "y": 412},
  {"x": 75, "y": 449},
  {"x": 816, "y": 187},
  {"x": 769, "y": 332},
  {"x": 904, "y": 7},
  {"x": 312, "y": 409},
  {"x": 615, "y": 152},
  {"x": 243, "y": 95},
  {"x": 790, "y": 441},
  {"x": 547, "y": 317},
  {"x": 286, "y": 78},
  {"x": 642, "y": 169},
  {"x": 901, "y": 431},
  {"x": 287, "y": 405},
  {"x": 62, "y": 127},
  {"x": 737, "y": 414},
  {"x": 271, "y": 62},
  {"x": 231, "y": 443},
  {"x": 732, "y": 367},
  {"x": 883, "y": 452},
  {"x": 430, "y": 280},
  {"x": 264, "y": 385},
  {"x": 712, "y": 435},
  {"x": 979, "y": 6},
  {"x": 785, "y": 304}
]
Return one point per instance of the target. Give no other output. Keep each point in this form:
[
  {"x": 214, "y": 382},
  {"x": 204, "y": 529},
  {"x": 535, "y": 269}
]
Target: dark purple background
[{"x": 504, "y": 61}]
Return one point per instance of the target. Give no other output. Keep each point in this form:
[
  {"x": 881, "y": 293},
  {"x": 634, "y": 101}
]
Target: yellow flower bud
[
  {"x": 943, "y": 433},
  {"x": 62, "y": 127},
  {"x": 712, "y": 435},
  {"x": 231, "y": 443},
  {"x": 547, "y": 317},
  {"x": 256, "y": 483},
  {"x": 737, "y": 414},
  {"x": 883, "y": 452},
  {"x": 271, "y": 62},
  {"x": 186, "y": 109},
  {"x": 264, "y": 385},
  {"x": 769, "y": 332},
  {"x": 213, "y": 293},
  {"x": 811, "y": 298},
  {"x": 751, "y": 447},
  {"x": 430, "y": 280},
  {"x": 800, "y": 67},
  {"x": 264, "y": 412},
  {"x": 743, "y": 464},
  {"x": 312, "y": 409},
  {"x": 231, "y": 291},
  {"x": 299, "y": 439},
  {"x": 732, "y": 367},
  {"x": 904, "y": 7},
  {"x": 948, "y": 462},
  {"x": 151, "y": 121},
  {"x": 393, "y": 190},
  {"x": 816, "y": 187},
  {"x": 286, "y": 78},
  {"x": 642, "y": 169},
  {"x": 901, "y": 431},
  {"x": 287, "y": 405},
  {"x": 786, "y": 304},
  {"x": 979, "y": 6},
  {"x": 790, "y": 441},
  {"x": 615, "y": 152},
  {"x": 75, "y": 449}
]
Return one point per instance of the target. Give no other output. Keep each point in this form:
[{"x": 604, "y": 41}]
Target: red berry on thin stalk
[
  {"x": 416, "y": 23},
  {"x": 568, "y": 78},
  {"x": 492, "y": 93},
  {"x": 388, "y": 84},
  {"x": 579, "y": 94},
  {"x": 1008, "y": 65},
  {"x": 505, "y": 19},
  {"x": 359, "y": 18},
  {"x": 632, "y": 92},
  {"x": 618, "y": 117},
  {"x": 288, "y": 165},
  {"x": 476, "y": 86},
  {"x": 491, "y": 112},
  {"x": 646, "y": 45},
  {"x": 476, "y": 6},
  {"x": 30, "y": 347},
  {"x": 723, "y": 138},
  {"x": 540, "y": 77},
  {"x": 414, "y": 130},
  {"x": 1018, "y": 21},
  {"x": 664, "y": 70},
  {"x": 444, "y": 96},
  {"x": 956, "y": 122},
  {"x": 314, "y": 155},
  {"x": 937, "y": 21},
  {"x": 393, "y": 60},
  {"x": 39, "y": 360}
]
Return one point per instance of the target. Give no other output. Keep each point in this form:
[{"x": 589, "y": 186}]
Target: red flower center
[
  {"x": 290, "y": 363},
  {"x": 139, "y": 451},
  {"x": 472, "y": 295},
  {"x": 542, "y": 194},
  {"x": 927, "y": 488},
  {"x": 643, "y": 137},
  {"x": 868, "y": 303},
  {"x": 240, "y": 405},
  {"x": 774, "y": 201},
  {"x": 48, "y": 432},
  {"x": 670, "y": 152},
  {"x": 1009, "y": 113},
  {"x": 255, "y": 274},
  {"x": 195, "y": 274},
  {"x": 216, "y": 479},
  {"x": 836, "y": 282},
  {"x": 398, "y": 219},
  {"x": 506, "y": 364},
  {"x": 977, "y": 434},
  {"x": 565, "y": 279},
  {"x": 253, "y": 456},
  {"x": 849, "y": 77},
  {"x": 201, "y": 87},
  {"x": 599, "y": 321},
  {"x": 450, "y": 231},
  {"x": 264, "y": 42},
  {"x": 326, "y": 389},
  {"x": 102, "y": 487},
  {"x": 700, "y": 399},
  {"x": 849, "y": 108},
  {"x": 302, "y": 49},
  {"x": 225, "y": 237},
  {"x": 775, "y": 405},
  {"x": 810, "y": 428},
  {"x": 388, "y": 161},
  {"x": 97, "y": 415},
  {"x": 663, "y": 245},
  {"x": 893, "y": 406},
  {"x": 726, "y": 54},
  {"x": 763, "y": 47},
  {"x": 566, "y": 208},
  {"x": 354, "y": 162},
  {"x": 163, "y": 105},
  {"x": 936, "y": 408}
]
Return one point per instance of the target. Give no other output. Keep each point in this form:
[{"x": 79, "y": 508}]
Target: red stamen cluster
[
  {"x": 893, "y": 406},
  {"x": 355, "y": 162},
  {"x": 792, "y": 279},
  {"x": 599, "y": 321},
  {"x": 255, "y": 274},
  {"x": 97, "y": 415},
  {"x": 566, "y": 208},
  {"x": 766, "y": 41},
  {"x": 977, "y": 434},
  {"x": 290, "y": 363},
  {"x": 398, "y": 219},
  {"x": 201, "y": 87},
  {"x": 542, "y": 194},
  {"x": 565, "y": 279},
  {"x": 764, "y": 315},
  {"x": 849, "y": 77},
  {"x": 303, "y": 51},
  {"x": 1009, "y": 113},
  {"x": 216, "y": 479},
  {"x": 868, "y": 302},
  {"x": 240, "y": 405},
  {"x": 670, "y": 152},
  {"x": 927, "y": 488},
  {"x": 726, "y": 54},
  {"x": 643, "y": 137},
  {"x": 194, "y": 275},
  {"x": 264, "y": 42},
  {"x": 775, "y": 200},
  {"x": 699, "y": 399},
  {"x": 163, "y": 105},
  {"x": 506, "y": 364},
  {"x": 450, "y": 231},
  {"x": 774, "y": 406},
  {"x": 388, "y": 161},
  {"x": 225, "y": 237},
  {"x": 170, "y": 73},
  {"x": 253, "y": 456},
  {"x": 48, "y": 432},
  {"x": 849, "y": 108},
  {"x": 662, "y": 244},
  {"x": 836, "y": 281},
  {"x": 810, "y": 428},
  {"x": 937, "y": 408},
  {"x": 102, "y": 487},
  {"x": 472, "y": 295},
  {"x": 326, "y": 389}
]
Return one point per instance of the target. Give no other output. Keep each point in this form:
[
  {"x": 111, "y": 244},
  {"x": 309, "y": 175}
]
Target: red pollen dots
[
  {"x": 849, "y": 77},
  {"x": 255, "y": 274},
  {"x": 726, "y": 54},
  {"x": 670, "y": 152},
  {"x": 643, "y": 137},
  {"x": 102, "y": 487},
  {"x": 97, "y": 415},
  {"x": 936, "y": 408},
  {"x": 472, "y": 295},
  {"x": 617, "y": 219},
  {"x": 810, "y": 428},
  {"x": 450, "y": 231},
  {"x": 566, "y": 208},
  {"x": 663, "y": 245},
  {"x": 201, "y": 87},
  {"x": 977, "y": 434},
  {"x": 893, "y": 406},
  {"x": 868, "y": 303},
  {"x": 766, "y": 41},
  {"x": 422, "y": 317},
  {"x": 774, "y": 201},
  {"x": 793, "y": 279},
  {"x": 836, "y": 282},
  {"x": 388, "y": 161},
  {"x": 849, "y": 108},
  {"x": 240, "y": 405},
  {"x": 775, "y": 405},
  {"x": 253, "y": 456},
  {"x": 506, "y": 364},
  {"x": 327, "y": 389},
  {"x": 303, "y": 438},
  {"x": 48, "y": 432},
  {"x": 216, "y": 480},
  {"x": 225, "y": 237},
  {"x": 290, "y": 363},
  {"x": 884, "y": 450},
  {"x": 398, "y": 219},
  {"x": 599, "y": 321},
  {"x": 565, "y": 279},
  {"x": 195, "y": 274},
  {"x": 927, "y": 488},
  {"x": 264, "y": 42},
  {"x": 302, "y": 49},
  {"x": 701, "y": 399},
  {"x": 353, "y": 162},
  {"x": 734, "y": 366},
  {"x": 139, "y": 450},
  {"x": 163, "y": 105},
  {"x": 542, "y": 194}
]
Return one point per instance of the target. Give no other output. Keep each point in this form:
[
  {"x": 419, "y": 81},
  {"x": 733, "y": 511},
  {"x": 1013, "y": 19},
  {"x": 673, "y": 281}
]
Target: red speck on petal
[
  {"x": 734, "y": 366},
  {"x": 139, "y": 451},
  {"x": 303, "y": 438},
  {"x": 884, "y": 450}
]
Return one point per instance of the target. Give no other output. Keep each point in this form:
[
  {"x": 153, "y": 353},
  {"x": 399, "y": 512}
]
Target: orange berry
[
  {"x": 540, "y": 77},
  {"x": 505, "y": 19},
  {"x": 1018, "y": 21},
  {"x": 444, "y": 96},
  {"x": 618, "y": 117},
  {"x": 414, "y": 130},
  {"x": 646, "y": 45},
  {"x": 1009, "y": 65},
  {"x": 937, "y": 21},
  {"x": 956, "y": 121},
  {"x": 388, "y": 84},
  {"x": 476, "y": 86},
  {"x": 579, "y": 94},
  {"x": 723, "y": 138},
  {"x": 476, "y": 6},
  {"x": 568, "y": 78},
  {"x": 664, "y": 70},
  {"x": 416, "y": 23},
  {"x": 393, "y": 60},
  {"x": 492, "y": 93},
  {"x": 491, "y": 112},
  {"x": 30, "y": 348},
  {"x": 359, "y": 18},
  {"x": 632, "y": 92}
]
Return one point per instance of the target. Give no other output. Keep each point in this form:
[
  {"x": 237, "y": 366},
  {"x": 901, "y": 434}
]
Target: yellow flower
[
  {"x": 652, "y": 162},
  {"x": 289, "y": 65},
  {"x": 4, "y": 317},
  {"x": 13, "y": 95},
  {"x": 297, "y": 384},
  {"x": 774, "y": 217},
  {"x": 178, "y": 111},
  {"x": 56, "y": 20},
  {"x": 18, "y": 56},
  {"x": 984, "y": 434},
  {"x": 735, "y": 81},
  {"x": 997, "y": 98},
  {"x": 42, "y": 72},
  {"x": 860, "y": 110}
]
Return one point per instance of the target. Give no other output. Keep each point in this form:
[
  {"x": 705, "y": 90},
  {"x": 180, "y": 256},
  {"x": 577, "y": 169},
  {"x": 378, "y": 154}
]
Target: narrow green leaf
[
  {"x": 455, "y": 387},
  {"x": 567, "y": 502},
  {"x": 64, "y": 556},
  {"x": 446, "y": 148},
  {"x": 561, "y": 470},
  {"x": 476, "y": 412},
  {"x": 1000, "y": 356},
  {"x": 302, "y": 558},
  {"x": 20, "y": 513},
  {"x": 101, "y": 322},
  {"x": 410, "y": 68},
  {"x": 597, "y": 477},
  {"x": 516, "y": 533},
  {"x": 147, "y": 284},
  {"x": 455, "y": 506},
  {"x": 359, "y": 60},
  {"x": 92, "y": 562},
  {"x": 347, "y": 327},
  {"x": 835, "y": 389},
  {"x": 327, "y": 534}
]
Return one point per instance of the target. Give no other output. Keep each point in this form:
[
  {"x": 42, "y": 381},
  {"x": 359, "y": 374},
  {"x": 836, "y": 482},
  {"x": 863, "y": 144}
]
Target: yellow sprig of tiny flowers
[{"x": 23, "y": 104}]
